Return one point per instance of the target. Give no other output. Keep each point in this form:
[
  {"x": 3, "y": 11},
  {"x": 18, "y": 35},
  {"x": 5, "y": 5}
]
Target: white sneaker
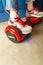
[
  {"x": 34, "y": 13},
  {"x": 39, "y": 14},
  {"x": 26, "y": 29}
]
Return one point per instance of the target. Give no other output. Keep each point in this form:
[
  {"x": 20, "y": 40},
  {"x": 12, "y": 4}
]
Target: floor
[{"x": 28, "y": 52}]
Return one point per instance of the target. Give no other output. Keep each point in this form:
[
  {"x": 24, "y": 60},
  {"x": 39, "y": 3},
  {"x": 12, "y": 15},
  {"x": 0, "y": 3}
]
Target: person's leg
[
  {"x": 29, "y": 7},
  {"x": 34, "y": 12},
  {"x": 29, "y": 4},
  {"x": 12, "y": 5}
]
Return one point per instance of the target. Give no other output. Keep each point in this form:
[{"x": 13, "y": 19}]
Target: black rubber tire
[{"x": 12, "y": 37}]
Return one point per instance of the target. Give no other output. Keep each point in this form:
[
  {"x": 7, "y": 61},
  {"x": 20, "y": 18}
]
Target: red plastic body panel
[
  {"x": 34, "y": 20},
  {"x": 13, "y": 31}
]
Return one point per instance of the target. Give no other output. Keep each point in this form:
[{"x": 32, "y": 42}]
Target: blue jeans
[{"x": 13, "y": 4}]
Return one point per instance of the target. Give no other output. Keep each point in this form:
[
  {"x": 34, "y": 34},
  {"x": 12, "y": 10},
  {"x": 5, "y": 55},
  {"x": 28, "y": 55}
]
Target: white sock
[{"x": 12, "y": 16}]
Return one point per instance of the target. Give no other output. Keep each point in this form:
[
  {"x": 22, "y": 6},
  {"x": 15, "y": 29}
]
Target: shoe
[
  {"x": 34, "y": 13},
  {"x": 26, "y": 29}
]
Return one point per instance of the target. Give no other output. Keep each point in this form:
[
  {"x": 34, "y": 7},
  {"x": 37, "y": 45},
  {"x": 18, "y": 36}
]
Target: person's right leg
[{"x": 12, "y": 6}]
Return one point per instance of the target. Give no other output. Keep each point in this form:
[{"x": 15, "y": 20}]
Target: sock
[{"x": 13, "y": 15}]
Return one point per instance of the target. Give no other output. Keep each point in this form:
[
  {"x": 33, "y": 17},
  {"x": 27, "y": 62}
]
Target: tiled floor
[{"x": 28, "y": 52}]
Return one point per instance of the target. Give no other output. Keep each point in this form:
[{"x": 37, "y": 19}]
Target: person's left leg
[
  {"x": 31, "y": 11},
  {"x": 29, "y": 4}
]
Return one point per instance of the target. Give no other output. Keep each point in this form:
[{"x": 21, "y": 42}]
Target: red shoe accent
[
  {"x": 36, "y": 9},
  {"x": 20, "y": 21},
  {"x": 17, "y": 19}
]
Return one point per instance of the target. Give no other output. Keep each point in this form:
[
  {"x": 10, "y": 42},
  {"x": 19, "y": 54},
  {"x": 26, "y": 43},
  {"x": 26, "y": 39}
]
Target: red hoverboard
[
  {"x": 33, "y": 20},
  {"x": 15, "y": 34}
]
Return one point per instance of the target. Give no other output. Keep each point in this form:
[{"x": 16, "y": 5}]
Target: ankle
[
  {"x": 30, "y": 6},
  {"x": 13, "y": 14}
]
